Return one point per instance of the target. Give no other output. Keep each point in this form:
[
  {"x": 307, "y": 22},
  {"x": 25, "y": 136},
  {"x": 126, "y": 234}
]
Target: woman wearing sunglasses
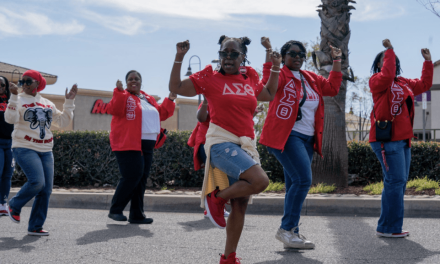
[
  {"x": 6, "y": 167},
  {"x": 135, "y": 133},
  {"x": 232, "y": 93},
  {"x": 393, "y": 98},
  {"x": 32, "y": 143},
  {"x": 293, "y": 129}
]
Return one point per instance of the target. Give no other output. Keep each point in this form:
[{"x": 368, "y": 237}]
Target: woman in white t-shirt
[{"x": 293, "y": 129}]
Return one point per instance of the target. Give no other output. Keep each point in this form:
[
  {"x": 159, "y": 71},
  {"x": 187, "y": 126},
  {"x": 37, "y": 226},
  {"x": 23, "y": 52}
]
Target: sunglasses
[
  {"x": 28, "y": 82},
  {"x": 293, "y": 54},
  {"x": 3, "y": 85},
  {"x": 232, "y": 55}
]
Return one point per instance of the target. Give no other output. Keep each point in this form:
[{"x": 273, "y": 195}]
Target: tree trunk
[{"x": 333, "y": 168}]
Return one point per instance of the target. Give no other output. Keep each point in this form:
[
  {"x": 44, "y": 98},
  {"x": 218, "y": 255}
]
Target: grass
[
  {"x": 422, "y": 184},
  {"x": 374, "y": 188},
  {"x": 437, "y": 192},
  {"x": 322, "y": 188},
  {"x": 274, "y": 187}
]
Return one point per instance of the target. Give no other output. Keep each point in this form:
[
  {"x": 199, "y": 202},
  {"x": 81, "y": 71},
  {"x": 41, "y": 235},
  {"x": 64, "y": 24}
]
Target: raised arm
[
  {"x": 384, "y": 79},
  {"x": 330, "y": 86},
  {"x": 425, "y": 82},
  {"x": 266, "y": 43},
  {"x": 116, "y": 106},
  {"x": 271, "y": 87},
  {"x": 177, "y": 86},
  {"x": 63, "y": 119}
]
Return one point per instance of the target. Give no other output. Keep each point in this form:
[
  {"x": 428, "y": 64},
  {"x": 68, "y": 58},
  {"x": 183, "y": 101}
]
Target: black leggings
[{"x": 135, "y": 168}]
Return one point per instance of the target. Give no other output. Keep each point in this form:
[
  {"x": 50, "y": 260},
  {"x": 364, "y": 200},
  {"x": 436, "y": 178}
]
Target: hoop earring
[{"x": 242, "y": 68}]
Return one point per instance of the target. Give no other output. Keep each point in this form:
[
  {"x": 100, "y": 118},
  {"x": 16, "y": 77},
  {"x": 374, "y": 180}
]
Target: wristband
[
  {"x": 337, "y": 60},
  {"x": 268, "y": 50},
  {"x": 178, "y": 61},
  {"x": 274, "y": 71}
]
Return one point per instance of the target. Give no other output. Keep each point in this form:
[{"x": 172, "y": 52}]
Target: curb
[{"x": 313, "y": 206}]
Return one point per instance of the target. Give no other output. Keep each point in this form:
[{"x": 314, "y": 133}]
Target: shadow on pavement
[
  {"x": 292, "y": 256},
  {"x": 8, "y": 243},
  {"x": 356, "y": 243},
  {"x": 113, "y": 232},
  {"x": 198, "y": 225}
]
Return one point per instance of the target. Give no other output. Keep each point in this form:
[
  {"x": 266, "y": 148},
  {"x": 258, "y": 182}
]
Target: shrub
[
  {"x": 274, "y": 187},
  {"x": 422, "y": 184},
  {"x": 374, "y": 188},
  {"x": 322, "y": 188}
]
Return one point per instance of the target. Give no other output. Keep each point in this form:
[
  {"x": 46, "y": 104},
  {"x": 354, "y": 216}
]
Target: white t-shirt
[
  {"x": 150, "y": 121},
  {"x": 306, "y": 125}
]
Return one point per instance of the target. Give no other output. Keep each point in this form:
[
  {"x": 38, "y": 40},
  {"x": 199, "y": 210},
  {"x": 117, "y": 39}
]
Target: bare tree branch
[{"x": 431, "y": 5}]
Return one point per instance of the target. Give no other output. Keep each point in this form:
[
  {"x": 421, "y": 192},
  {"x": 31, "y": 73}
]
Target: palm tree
[{"x": 335, "y": 30}]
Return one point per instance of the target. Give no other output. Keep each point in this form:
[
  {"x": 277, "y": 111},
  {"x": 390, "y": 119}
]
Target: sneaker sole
[
  {"x": 10, "y": 216},
  {"x": 294, "y": 246},
  {"x": 37, "y": 234},
  {"x": 391, "y": 236},
  {"x": 208, "y": 214}
]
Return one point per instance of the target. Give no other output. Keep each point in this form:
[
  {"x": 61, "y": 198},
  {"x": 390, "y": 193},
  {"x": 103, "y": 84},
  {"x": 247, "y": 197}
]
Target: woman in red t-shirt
[
  {"x": 232, "y": 93},
  {"x": 393, "y": 98}
]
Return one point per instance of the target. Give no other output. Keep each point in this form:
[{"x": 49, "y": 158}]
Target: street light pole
[{"x": 188, "y": 73}]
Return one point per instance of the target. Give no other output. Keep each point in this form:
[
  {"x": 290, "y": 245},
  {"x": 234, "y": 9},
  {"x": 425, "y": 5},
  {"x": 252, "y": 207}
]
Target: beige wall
[
  {"x": 187, "y": 115},
  {"x": 58, "y": 100},
  {"x": 184, "y": 117}
]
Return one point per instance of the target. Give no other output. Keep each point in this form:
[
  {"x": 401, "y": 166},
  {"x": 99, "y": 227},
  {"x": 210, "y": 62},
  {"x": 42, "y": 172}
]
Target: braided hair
[
  {"x": 126, "y": 76},
  {"x": 287, "y": 46},
  {"x": 376, "y": 69}
]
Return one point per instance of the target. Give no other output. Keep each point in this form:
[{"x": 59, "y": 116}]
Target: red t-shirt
[{"x": 232, "y": 98}]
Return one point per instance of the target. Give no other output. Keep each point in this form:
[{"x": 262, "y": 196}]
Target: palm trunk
[{"x": 335, "y": 19}]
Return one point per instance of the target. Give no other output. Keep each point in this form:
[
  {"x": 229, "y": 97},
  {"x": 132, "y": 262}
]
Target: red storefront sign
[{"x": 99, "y": 107}]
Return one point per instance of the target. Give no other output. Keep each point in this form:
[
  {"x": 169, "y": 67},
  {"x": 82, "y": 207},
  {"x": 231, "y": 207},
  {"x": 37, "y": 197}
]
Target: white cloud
[
  {"x": 124, "y": 24},
  {"x": 377, "y": 10},
  {"x": 29, "y": 23},
  {"x": 214, "y": 9}
]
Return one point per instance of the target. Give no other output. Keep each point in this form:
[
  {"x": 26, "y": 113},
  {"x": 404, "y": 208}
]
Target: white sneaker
[
  {"x": 393, "y": 235},
  {"x": 226, "y": 213},
  {"x": 291, "y": 239},
  {"x": 3, "y": 210}
]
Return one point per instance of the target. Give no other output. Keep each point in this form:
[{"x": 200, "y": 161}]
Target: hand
[
  {"x": 182, "y": 47},
  {"x": 336, "y": 53},
  {"x": 387, "y": 44},
  {"x": 13, "y": 88},
  {"x": 275, "y": 57},
  {"x": 426, "y": 54},
  {"x": 71, "y": 95},
  {"x": 259, "y": 108},
  {"x": 266, "y": 43},
  {"x": 119, "y": 86},
  {"x": 172, "y": 96}
]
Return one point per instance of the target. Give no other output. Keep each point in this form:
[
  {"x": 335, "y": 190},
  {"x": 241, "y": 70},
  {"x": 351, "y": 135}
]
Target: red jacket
[
  {"x": 197, "y": 138},
  {"x": 283, "y": 109},
  {"x": 126, "y": 126},
  {"x": 390, "y": 92}
]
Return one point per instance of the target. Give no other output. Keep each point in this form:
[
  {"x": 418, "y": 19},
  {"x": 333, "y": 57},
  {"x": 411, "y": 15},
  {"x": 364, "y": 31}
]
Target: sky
[{"x": 95, "y": 43}]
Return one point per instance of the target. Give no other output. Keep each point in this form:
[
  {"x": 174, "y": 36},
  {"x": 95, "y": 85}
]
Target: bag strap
[{"x": 304, "y": 91}]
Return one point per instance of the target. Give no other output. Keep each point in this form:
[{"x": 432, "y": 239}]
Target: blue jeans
[
  {"x": 231, "y": 159},
  {"x": 38, "y": 168},
  {"x": 297, "y": 164},
  {"x": 6, "y": 169},
  {"x": 398, "y": 158}
]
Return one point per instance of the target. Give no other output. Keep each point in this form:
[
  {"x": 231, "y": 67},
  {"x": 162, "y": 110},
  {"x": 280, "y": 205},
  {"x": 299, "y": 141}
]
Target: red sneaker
[
  {"x": 230, "y": 260},
  {"x": 403, "y": 234},
  {"x": 39, "y": 232},
  {"x": 215, "y": 209},
  {"x": 15, "y": 217}
]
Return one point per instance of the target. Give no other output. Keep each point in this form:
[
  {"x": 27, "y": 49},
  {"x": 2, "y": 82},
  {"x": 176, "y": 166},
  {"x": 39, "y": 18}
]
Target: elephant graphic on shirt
[{"x": 39, "y": 117}]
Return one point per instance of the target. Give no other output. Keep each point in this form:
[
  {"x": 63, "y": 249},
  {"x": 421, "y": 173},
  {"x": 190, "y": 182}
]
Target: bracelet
[
  {"x": 178, "y": 61},
  {"x": 274, "y": 71},
  {"x": 269, "y": 50},
  {"x": 337, "y": 60}
]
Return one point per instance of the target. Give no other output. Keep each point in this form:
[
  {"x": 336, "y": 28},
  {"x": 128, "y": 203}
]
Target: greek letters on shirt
[
  {"x": 131, "y": 106},
  {"x": 239, "y": 89},
  {"x": 398, "y": 93},
  {"x": 285, "y": 109}
]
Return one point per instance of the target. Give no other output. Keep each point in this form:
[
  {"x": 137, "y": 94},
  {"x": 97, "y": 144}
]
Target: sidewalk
[{"x": 265, "y": 203}]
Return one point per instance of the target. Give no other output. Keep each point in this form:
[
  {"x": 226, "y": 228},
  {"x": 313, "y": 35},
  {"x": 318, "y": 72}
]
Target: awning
[{"x": 13, "y": 73}]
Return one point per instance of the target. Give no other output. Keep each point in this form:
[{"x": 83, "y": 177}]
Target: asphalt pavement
[{"x": 87, "y": 236}]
